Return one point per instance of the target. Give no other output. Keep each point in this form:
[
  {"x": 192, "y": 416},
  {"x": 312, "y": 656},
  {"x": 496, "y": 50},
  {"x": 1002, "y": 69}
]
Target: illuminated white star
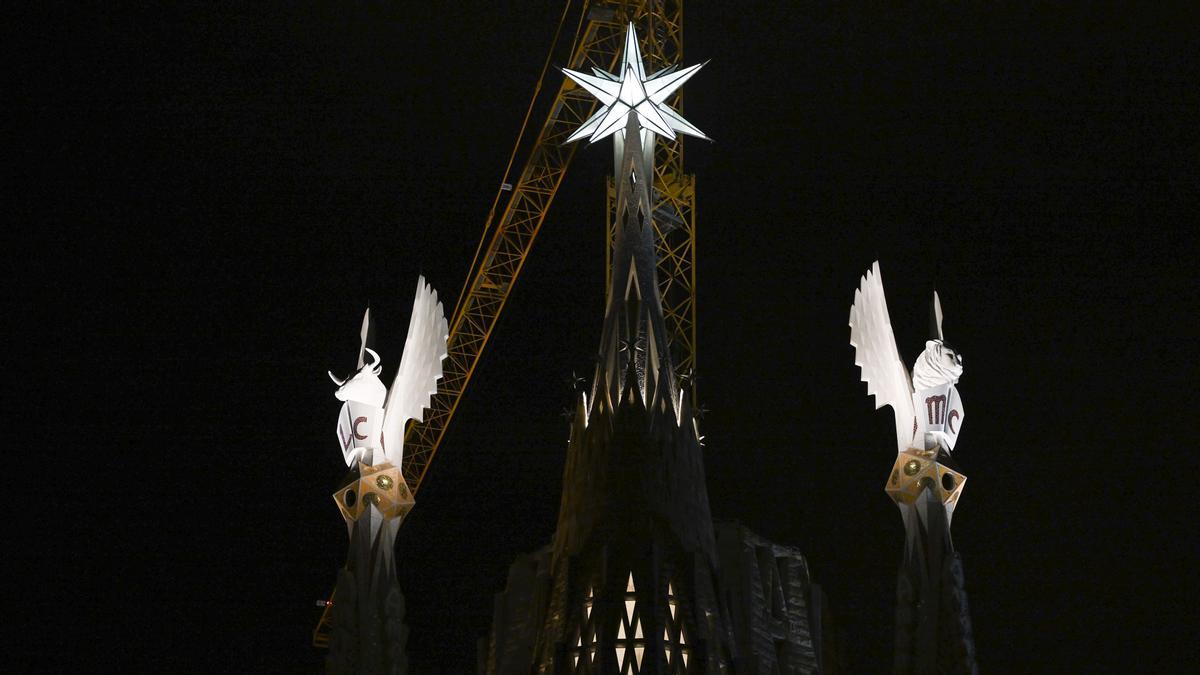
[{"x": 634, "y": 93}]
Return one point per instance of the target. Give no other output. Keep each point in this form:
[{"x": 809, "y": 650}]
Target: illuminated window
[
  {"x": 675, "y": 643},
  {"x": 584, "y": 648},
  {"x": 630, "y": 643}
]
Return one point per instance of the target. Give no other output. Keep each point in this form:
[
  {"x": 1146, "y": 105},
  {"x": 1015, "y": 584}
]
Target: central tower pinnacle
[
  {"x": 634, "y": 345},
  {"x": 635, "y": 542},
  {"x": 637, "y": 579}
]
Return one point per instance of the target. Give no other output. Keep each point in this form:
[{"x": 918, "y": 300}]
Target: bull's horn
[
  {"x": 335, "y": 379},
  {"x": 374, "y": 358}
]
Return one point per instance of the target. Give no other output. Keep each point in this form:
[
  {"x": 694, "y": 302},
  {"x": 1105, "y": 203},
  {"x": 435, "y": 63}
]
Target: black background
[{"x": 205, "y": 197}]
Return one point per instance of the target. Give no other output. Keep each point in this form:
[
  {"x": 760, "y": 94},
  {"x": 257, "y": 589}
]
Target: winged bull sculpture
[
  {"x": 371, "y": 422},
  {"x": 926, "y": 404}
]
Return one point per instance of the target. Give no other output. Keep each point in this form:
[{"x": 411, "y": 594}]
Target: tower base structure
[
  {"x": 778, "y": 617},
  {"x": 933, "y": 624},
  {"x": 368, "y": 633}
]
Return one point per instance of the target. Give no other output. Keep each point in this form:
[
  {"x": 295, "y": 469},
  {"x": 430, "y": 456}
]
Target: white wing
[
  {"x": 875, "y": 352},
  {"x": 420, "y": 369}
]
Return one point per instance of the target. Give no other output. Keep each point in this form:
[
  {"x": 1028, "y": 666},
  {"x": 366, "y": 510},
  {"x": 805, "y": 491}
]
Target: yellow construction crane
[{"x": 520, "y": 207}]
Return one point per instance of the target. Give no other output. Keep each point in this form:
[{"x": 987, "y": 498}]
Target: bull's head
[{"x": 364, "y": 386}]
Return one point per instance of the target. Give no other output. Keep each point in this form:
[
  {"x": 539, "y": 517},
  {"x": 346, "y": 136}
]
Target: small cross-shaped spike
[{"x": 637, "y": 345}]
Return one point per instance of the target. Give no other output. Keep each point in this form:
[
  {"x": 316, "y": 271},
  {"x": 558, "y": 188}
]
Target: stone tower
[{"x": 636, "y": 578}]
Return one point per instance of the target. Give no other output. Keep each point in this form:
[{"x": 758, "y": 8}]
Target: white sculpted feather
[
  {"x": 875, "y": 352},
  {"x": 420, "y": 369}
]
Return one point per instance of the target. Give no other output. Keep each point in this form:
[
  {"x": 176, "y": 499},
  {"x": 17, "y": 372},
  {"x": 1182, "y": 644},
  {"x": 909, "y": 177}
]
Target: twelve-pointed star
[{"x": 634, "y": 93}]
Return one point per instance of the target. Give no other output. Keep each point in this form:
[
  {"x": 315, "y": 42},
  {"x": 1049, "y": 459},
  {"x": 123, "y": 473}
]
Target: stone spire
[
  {"x": 634, "y": 346},
  {"x": 933, "y": 625},
  {"x": 632, "y": 569},
  {"x": 630, "y": 582},
  {"x": 635, "y": 448}
]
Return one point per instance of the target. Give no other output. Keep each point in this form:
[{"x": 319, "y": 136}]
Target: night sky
[{"x": 203, "y": 200}]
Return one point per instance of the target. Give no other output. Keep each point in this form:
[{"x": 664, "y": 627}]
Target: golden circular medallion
[
  {"x": 911, "y": 467},
  {"x": 384, "y": 482}
]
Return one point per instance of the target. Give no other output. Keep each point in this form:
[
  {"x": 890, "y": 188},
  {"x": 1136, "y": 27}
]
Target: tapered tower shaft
[{"x": 933, "y": 625}]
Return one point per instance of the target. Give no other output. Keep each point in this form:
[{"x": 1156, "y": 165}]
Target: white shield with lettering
[
  {"x": 359, "y": 426},
  {"x": 939, "y": 415}
]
